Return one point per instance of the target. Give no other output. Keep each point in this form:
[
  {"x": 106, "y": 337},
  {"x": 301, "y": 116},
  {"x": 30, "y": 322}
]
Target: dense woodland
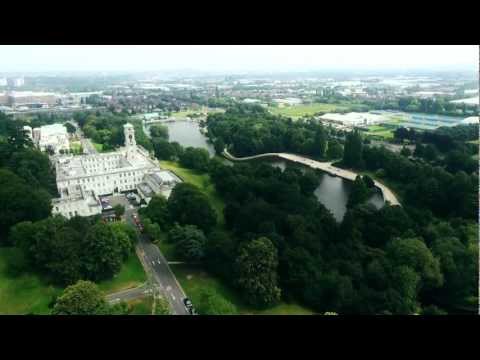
[
  {"x": 279, "y": 242},
  {"x": 250, "y": 130},
  {"x": 438, "y": 106}
]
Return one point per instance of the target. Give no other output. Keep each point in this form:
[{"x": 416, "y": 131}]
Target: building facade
[
  {"x": 50, "y": 137},
  {"x": 82, "y": 179}
]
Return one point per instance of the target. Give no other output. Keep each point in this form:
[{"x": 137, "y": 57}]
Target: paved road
[
  {"x": 163, "y": 276},
  {"x": 129, "y": 294},
  {"x": 87, "y": 145},
  {"x": 324, "y": 166}
]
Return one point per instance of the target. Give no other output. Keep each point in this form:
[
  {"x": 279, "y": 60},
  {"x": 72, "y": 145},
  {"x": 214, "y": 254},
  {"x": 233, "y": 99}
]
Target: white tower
[{"x": 130, "y": 143}]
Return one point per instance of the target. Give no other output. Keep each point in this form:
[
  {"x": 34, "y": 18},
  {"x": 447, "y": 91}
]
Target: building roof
[
  {"x": 352, "y": 117},
  {"x": 53, "y": 129},
  {"x": 470, "y": 120}
]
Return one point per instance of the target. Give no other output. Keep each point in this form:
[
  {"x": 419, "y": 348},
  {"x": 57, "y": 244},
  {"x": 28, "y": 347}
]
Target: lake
[
  {"x": 187, "y": 133},
  {"x": 333, "y": 192}
]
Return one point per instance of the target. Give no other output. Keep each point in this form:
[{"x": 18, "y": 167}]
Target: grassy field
[
  {"x": 25, "y": 293},
  {"x": 29, "y": 293},
  {"x": 306, "y": 109},
  {"x": 380, "y": 131},
  {"x": 98, "y": 147},
  {"x": 193, "y": 279},
  {"x": 141, "y": 306},
  {"x": 202, "y": 181},
  {"x": 131, "y": 275},
  {"x": 76, "y": 146}
]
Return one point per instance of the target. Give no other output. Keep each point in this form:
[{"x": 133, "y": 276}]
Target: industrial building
[{"x": 352, "y": 119}]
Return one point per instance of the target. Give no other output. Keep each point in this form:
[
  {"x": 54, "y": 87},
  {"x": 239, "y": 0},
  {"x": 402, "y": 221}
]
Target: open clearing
[
  {"x": 193, "y": 279},
  {"x": 28, "y": 293},
  {"x": 306, "y": 109}
]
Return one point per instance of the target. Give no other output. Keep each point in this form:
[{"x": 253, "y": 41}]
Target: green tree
[
  {"x": 20, "y": 202},
  {"x": 119, "y": 210},
  {"x": 82, "y": 298},
  {"x": 256, "y": 269},
  {"x": 157, "y": 211},
  {"x": 159, "y": 131},
  {"x": 70, "y": 128},
  {"x": 405, "y": 152},
  {"x": 352, "y": 155},
  {"x": 163, "y": 149},
  {"x": 189, "y": 242},
  {"x": 212, "y": 303},
  {"x": 359, "y": 193},
  {"x": 334, "y": 150},
  {"x": 195, "y": 158},
  {"x": 188, "y": 205},
  {"x": 102, "y": 253},
  {"x": 368, "y": 181},
  {"x": 430, "y": 153},
  {"x": 414, "y": 254}
]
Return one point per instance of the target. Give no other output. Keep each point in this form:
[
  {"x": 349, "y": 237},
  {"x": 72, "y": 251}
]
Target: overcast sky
[{"x": 32, "y": 58}]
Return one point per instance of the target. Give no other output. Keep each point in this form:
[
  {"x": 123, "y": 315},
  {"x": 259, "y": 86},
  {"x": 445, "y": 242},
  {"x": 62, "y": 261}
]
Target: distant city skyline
[{"x": 236, "y": 58}]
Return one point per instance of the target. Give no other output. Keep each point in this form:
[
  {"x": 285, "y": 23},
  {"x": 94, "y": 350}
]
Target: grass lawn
[
  {"x": 193, "y": 279},
  {"x": 202, "y": 181},
  {"x": 141, "y": 306},
  {"x": 131, "y": 275},
  {"x": 76, "y": 146},
  {"x": 29, "y": 293},
  {"x": 98, "y": 147},
  {"x": 306, "y": 109},
  {"x": 380, "y": 131},
  {"x": 25, "y": 293}
]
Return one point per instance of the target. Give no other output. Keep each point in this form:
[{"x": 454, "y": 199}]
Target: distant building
[
  {"x": 250, "y": 101},
  {"x": 288, "y": 101},
  {"x": 31, "y": 98},
  {"x": 352, "y": 119},
  {"x": 470, "y": 120},
  {"x": 3, "y": 82},
  {"x": 53, "y": 137},
  {"x": 16, "y": 82},
  {"x": 4, "y": 100},
  {"x": 469, "y": 101}
]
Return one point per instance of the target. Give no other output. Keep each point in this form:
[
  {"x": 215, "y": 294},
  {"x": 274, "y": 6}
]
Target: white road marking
[{"x": 173, "y": 297}]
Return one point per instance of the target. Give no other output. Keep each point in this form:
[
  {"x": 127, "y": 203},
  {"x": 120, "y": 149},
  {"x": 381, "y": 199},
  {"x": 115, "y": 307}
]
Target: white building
[
  {"x": 54, "y": 137},
  {"x": 470, "y": 120},
  {"x": 82, "y": 179},
  {"x": 468, "y": 101},
  {"x": 159, "y": 182},
  {"x": 352, "y": 119},
  {"x": 16, "y": 82},
  {"x": 3, "y": 82}
]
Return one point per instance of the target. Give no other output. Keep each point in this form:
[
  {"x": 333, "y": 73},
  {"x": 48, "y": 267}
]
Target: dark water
[
  {"x": 333, "y": 192},
  {"x": 188, "y": 133}
]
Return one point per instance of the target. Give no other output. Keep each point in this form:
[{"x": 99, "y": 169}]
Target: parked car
[{"x": 188, "y": 304}]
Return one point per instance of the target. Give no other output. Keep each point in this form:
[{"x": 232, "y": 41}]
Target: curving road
[{"x": 387, "y": 194}]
